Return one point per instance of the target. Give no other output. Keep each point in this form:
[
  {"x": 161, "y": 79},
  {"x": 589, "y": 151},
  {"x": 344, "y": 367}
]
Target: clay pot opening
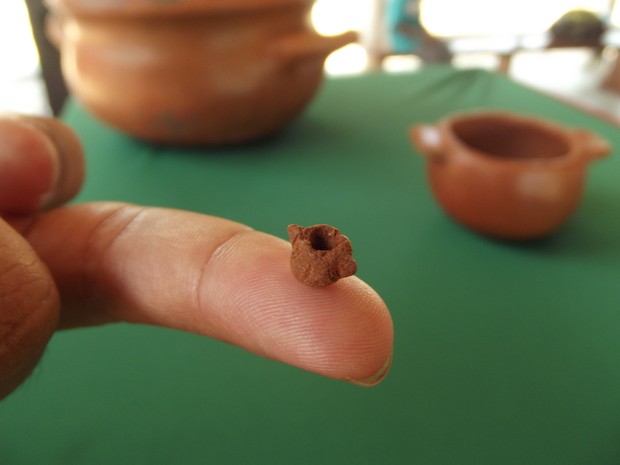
[
  {"x": 322, "y": 240},
  {"x": 509, "y": 138}
]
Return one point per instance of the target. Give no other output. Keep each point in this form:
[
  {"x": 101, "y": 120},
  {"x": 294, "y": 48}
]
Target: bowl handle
[
  {"x": 594, "y": 147},
  {"x": 427, "y": 139},
  {"x": 304, "y": 45}
]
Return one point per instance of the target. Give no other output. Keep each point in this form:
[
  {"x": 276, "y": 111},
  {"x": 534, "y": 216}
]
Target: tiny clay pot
[
  {"x": 506, "y": 175},
  {"x": 321, "y": 255},
  {"x": 199, "y": 72}
]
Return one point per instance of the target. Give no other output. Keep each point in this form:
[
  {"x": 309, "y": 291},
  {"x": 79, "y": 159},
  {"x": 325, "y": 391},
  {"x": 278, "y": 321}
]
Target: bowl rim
[
  {"x": 543, "y": 124},
  {"x": 165, "y": 8}
]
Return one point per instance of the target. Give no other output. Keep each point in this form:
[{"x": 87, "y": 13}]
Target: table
[{"x": 504, "y": 354}]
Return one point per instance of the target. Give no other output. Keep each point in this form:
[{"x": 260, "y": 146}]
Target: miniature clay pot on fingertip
[
  {"x": 321, "y": 254},
  {"x": 196, "y": 72},
  {"x": 506, "y": 175}
]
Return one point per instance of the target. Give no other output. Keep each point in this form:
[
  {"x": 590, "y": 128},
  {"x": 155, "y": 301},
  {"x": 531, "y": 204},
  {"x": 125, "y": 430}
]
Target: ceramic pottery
[
  {"x": 192, "y": 71},
  {"x": 506, "y": 175}
]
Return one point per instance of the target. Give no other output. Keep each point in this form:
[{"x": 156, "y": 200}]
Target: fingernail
[
  {"x": 377, "y": 377},
  {"x": 47, "y": 197}
]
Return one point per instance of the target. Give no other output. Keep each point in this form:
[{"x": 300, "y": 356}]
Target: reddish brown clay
[
  {"x": 208, "y": 72},
  {"x": 321, "y": 255},
  {"x": 506, "y": 175}
]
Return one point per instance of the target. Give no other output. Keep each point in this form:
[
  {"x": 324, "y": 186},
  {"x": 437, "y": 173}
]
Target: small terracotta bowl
[
  {"x": 207, "y": 72},
  {"x": 506, "y": 175}
]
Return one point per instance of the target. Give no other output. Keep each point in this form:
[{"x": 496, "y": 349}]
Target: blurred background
[{"x": 511, "y": 36}]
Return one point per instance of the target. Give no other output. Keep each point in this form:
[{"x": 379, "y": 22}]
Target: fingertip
[
  {"x": 343, "y": 331},
  {"x": 363, "y": 351},
  {"x": 71, "y": 159},
  {"x": 41, "y": 164},
  {"x": 376, "y": 377},
  {"x": 381, "y": 354}
]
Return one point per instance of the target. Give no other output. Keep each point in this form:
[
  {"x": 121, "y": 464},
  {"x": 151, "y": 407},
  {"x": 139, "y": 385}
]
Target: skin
[{"x": 98, "y": 263}]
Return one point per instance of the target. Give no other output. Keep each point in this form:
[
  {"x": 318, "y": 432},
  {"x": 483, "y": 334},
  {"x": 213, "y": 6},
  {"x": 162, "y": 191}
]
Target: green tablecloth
[{"x": 504, "y": 354}]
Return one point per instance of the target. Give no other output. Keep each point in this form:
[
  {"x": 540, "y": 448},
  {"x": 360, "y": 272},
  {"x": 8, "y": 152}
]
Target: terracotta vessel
[
  {"x": 192, "y": 71},
  {"x": 505, "y": 175}
]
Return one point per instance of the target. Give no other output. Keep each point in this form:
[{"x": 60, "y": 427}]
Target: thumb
[{"x": 29, "y": 306}]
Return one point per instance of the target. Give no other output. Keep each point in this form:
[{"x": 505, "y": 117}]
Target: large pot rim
[{"x": 162, "y": 8}]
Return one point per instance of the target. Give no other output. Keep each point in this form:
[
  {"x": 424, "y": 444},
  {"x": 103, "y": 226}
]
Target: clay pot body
[
  {"x": 505, "y": 175},
  {"x": 192, "y": 71}
]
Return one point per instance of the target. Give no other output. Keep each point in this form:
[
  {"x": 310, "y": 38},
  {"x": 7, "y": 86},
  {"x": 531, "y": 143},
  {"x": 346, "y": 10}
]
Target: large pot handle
[
  {"x": 594, "y": 146},
  {"x": 306, "y": 44},
  {"x": 428, "y": 140}
]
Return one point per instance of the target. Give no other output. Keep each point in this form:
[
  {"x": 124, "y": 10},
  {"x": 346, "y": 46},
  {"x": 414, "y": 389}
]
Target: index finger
[{"x": 118, "y": 262}]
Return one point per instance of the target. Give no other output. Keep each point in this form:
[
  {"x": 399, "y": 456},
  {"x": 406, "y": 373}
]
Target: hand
[{"x": 96, "y": 263}]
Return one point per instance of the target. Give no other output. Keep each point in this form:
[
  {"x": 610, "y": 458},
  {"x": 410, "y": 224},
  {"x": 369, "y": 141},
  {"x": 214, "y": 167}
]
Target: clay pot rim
[
  {"x": 546, "y": 125},
  {"x": 165, "y": 8}
]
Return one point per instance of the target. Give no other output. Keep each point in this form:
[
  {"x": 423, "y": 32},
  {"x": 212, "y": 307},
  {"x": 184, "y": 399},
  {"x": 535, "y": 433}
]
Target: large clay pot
[
  {"x": 192, "y": 71},
  {"x": 505, "y": 175}
]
